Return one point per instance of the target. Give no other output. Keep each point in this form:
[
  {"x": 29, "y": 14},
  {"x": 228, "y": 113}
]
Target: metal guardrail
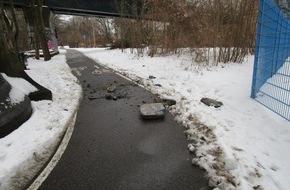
[{"x": 271, "y": 77}]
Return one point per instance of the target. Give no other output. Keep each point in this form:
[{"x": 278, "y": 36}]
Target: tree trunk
[
  {"x": 41, "y": 30},
  {"x": 15, "y": 23},
  {"x": 9, "y": 61},
  {"x": 11, "y": 26},
  {"x": 36, "y": 46}
]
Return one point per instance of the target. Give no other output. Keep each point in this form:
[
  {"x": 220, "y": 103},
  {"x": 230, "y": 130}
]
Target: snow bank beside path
[
  {"x": 24, "y": 151},
  {"x": 242, "y": 145},
  {"x": 20, "y": 88}
]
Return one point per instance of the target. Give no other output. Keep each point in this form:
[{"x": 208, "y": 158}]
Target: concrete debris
[
  {"x": 211, "y": 102},
  {"x": 111, "y": 88},
  {"x": 168, "y": 102},
  {"x": 109, "y": 97},
  {"x": 92, "y": 98},
  {"x": 152, "y": 111},
  {"x": 165, "y": 101}
]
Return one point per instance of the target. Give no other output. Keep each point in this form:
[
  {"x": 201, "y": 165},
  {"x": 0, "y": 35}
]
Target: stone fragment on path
[
  {"x": 111, "y": 88},
  {"x": 165, "y": 101},
  {"x": 109, "y": 97},
  {"x": 152, "y": 111},
  {"x": 168, "y": 102},
  {"x": 211, "y": 102},
  {"x": 92, "y": 98}
]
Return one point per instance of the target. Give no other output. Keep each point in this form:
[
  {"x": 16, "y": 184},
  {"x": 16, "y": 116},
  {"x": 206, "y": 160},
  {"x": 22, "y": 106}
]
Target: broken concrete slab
[
  {"x": 211, "y": 102},
  {"x": 152, "y": 111}
]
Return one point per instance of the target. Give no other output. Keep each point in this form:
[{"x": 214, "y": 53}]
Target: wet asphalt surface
[{"x": 112, "y": 148}]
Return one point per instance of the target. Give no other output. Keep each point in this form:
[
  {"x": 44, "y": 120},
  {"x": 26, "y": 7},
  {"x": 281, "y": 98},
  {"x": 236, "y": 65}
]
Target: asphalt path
[{"x": 112, "y": 148}]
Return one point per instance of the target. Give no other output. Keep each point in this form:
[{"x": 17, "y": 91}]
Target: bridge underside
[
  {"x": 103, "y": 8},
  {"x": 85, "y": 7}
]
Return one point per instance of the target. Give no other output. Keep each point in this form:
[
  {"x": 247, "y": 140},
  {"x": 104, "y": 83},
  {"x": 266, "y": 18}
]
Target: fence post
[{"x": 257, "y": 49}]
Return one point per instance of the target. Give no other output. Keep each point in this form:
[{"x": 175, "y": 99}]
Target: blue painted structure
[{"x": 271, "y": 77}]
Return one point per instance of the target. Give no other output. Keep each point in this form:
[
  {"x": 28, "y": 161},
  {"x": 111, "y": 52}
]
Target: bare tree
[
  {"x": 40, "y": 30},
  {"x": 104, "y": 28},
  {"x": 227, "y": 26},
  {"x": 11, "y": 26},
  {"x": 9, "y": 60}
]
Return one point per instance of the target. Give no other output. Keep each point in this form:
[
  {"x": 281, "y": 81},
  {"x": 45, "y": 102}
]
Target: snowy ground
[
  {"x": 25, "y": 150},
  {"x": 241, "y": 144},
  {"x": 277, "y": 86}
]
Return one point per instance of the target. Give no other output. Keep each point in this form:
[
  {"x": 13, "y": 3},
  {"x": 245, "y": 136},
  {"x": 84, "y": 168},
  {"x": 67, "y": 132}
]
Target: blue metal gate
[{"x": 271, "y": 77}]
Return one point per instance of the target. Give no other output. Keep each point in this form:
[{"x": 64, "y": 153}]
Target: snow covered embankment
[
  {"x": 238, "y": 144},
  {"x": 25, "y": 150}
]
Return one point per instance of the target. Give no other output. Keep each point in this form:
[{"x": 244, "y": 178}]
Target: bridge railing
[{"x": 271, "y": 77}]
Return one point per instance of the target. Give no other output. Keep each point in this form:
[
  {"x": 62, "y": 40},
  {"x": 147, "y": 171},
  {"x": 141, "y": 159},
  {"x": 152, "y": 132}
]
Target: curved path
[{"x": 113, "y": 148}]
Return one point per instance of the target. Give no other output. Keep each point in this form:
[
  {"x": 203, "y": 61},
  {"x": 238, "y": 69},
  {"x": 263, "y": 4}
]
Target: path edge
[{"x": 56, "y": 156}]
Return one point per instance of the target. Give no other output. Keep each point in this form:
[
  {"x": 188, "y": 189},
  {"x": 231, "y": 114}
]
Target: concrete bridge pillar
[{"x": 50, "y": 31}]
